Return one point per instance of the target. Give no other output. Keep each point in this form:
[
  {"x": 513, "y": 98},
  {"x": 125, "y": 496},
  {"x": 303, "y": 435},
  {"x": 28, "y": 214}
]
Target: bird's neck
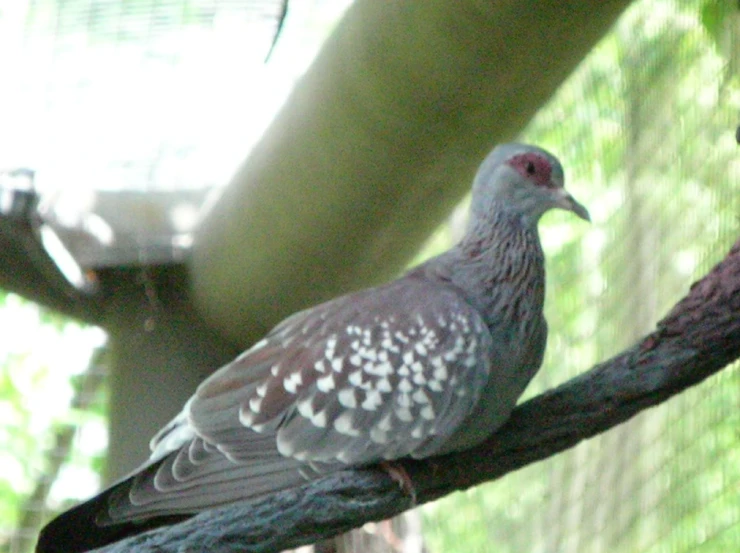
[{"x": 499, "y": 267}]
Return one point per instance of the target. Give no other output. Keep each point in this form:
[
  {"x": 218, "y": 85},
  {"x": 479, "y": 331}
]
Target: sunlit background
[{"x": 92, "y": 99}]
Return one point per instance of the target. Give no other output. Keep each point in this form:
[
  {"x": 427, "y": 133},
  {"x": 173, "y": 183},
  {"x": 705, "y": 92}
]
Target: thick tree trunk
[{"x": 377, "y": 142}]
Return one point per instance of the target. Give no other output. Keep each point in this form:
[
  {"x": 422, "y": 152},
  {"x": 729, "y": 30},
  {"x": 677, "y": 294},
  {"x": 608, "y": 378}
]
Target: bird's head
[{"x": 525, "y": 179}]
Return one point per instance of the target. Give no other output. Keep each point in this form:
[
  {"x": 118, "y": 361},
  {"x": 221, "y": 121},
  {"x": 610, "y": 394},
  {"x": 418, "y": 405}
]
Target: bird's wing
[
  {"x": 379, "y": 374},
  {"x": 369, "y": 376}
]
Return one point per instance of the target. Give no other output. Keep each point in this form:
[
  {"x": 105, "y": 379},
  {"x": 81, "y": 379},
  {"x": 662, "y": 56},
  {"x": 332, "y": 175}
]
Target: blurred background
[{"x": 125, "y": 120}]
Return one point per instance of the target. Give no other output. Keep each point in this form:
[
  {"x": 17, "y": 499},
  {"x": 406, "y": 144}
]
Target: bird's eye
[{"x": 534, "y": 167}]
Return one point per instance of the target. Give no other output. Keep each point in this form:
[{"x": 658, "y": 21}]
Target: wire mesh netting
[{"x": 645, "y": 129}]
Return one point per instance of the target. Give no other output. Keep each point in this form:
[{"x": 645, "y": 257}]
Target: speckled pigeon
[{"x": 430, "y": 363}]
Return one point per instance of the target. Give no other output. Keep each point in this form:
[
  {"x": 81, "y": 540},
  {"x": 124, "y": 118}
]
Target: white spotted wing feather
[{"x": 376, "y": 375}]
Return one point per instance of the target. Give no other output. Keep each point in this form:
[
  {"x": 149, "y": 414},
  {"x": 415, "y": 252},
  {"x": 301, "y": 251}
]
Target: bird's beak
[{"x": 568, "y": 202}]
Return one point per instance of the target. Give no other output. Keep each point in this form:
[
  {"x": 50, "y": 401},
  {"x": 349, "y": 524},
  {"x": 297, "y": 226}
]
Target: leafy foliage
[{"x": 44, "y": 360}]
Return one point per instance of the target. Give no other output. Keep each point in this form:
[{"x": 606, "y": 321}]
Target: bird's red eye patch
[{"x": 534, "y": 167}]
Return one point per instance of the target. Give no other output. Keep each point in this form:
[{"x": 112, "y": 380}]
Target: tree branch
[
  {"x": 698, "y": 338},
  {"x": 26, "y": 269}
]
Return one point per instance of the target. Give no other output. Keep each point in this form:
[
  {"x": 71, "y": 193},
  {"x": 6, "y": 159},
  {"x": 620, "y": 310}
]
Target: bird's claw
[{"x": 401, "y": 477}]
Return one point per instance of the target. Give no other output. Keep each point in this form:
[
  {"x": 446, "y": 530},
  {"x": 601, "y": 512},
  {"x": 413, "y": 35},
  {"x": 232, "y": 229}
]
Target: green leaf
[{"x": 713, "y": 15}]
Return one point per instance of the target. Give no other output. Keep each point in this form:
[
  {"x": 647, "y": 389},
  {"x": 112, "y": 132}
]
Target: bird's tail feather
[
  {"x": 136, "y": 503},
  {"x": 78, "y": 529}
]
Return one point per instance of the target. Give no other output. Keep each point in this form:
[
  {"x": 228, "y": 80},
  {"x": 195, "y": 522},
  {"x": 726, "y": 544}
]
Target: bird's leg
[{"x": 401, "y": 476}]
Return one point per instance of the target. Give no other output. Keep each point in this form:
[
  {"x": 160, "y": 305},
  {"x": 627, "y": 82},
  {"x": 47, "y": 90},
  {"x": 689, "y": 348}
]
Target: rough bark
[{"x": 699, "y": 337}]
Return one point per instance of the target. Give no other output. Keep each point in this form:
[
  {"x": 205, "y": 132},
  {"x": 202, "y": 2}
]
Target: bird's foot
[{"x": 401, "y": 476}]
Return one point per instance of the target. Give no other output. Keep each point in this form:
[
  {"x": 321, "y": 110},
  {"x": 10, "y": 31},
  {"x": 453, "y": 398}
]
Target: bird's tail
[
  {"x": 162, "y": 493},
  {"x": 79, "y": 529}
]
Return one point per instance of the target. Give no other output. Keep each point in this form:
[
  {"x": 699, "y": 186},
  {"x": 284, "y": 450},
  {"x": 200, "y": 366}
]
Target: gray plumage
[{"x": 430, "y": 363}]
